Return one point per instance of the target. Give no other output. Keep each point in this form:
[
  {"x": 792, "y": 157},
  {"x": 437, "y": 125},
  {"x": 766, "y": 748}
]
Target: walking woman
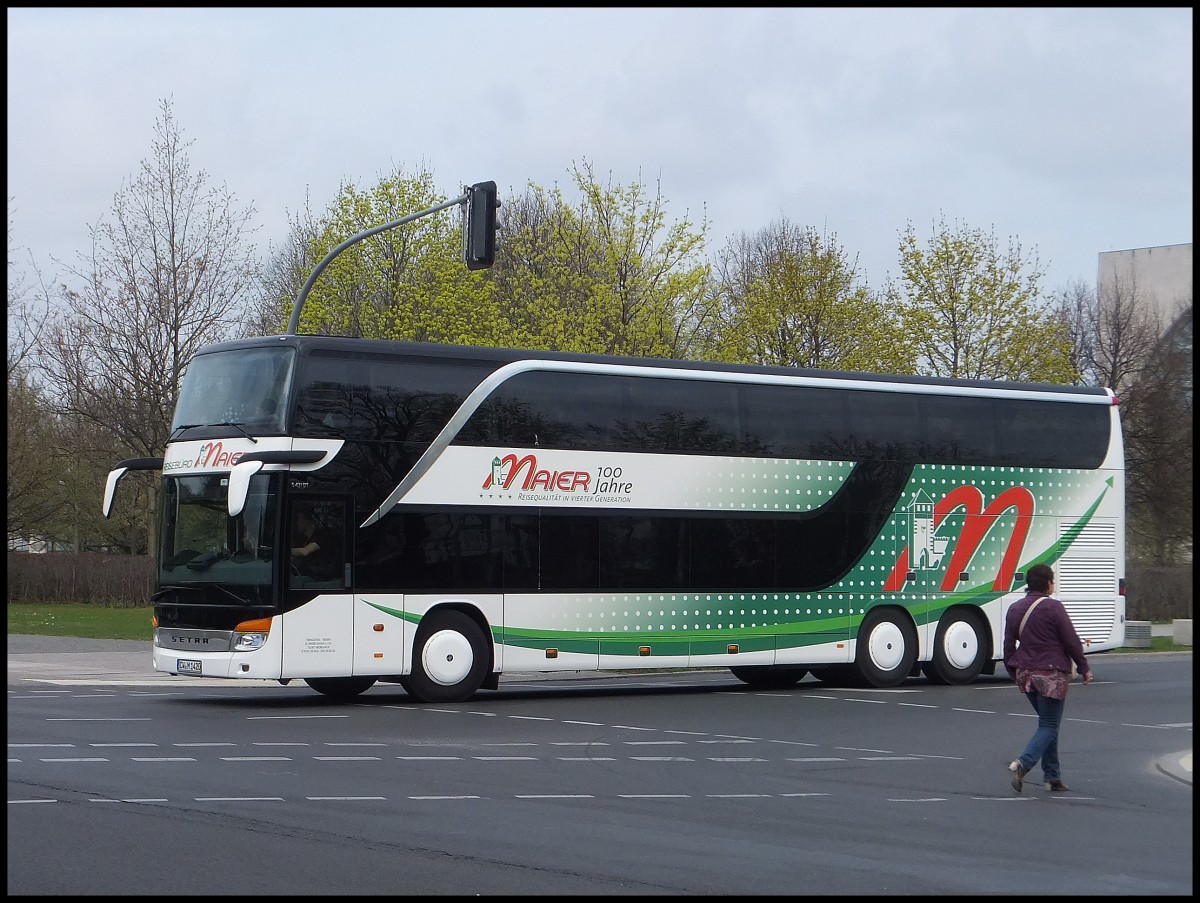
[{"x": 1040, "y": 643}]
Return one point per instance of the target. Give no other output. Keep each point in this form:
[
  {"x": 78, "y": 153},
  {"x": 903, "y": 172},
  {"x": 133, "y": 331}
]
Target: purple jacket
[{"x": 1049, "y": 640}]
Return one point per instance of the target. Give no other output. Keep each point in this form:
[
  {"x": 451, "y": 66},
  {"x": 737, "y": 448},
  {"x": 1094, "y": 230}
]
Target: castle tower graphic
[{"x": 927, "y": 548}]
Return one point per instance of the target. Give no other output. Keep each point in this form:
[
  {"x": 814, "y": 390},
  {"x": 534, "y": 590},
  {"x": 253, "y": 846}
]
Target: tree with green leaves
[
  {"x": 607, "y": 275},
  {"x": 973, "y": 310},
  {"x": 790, "y": 296},
  {"x": 405, "y": 283}
]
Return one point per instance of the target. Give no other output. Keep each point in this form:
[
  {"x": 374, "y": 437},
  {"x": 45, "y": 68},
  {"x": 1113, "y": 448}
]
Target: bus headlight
[
  {"x": 251, "y": 635},
  {"x": 248, "y": 642}
]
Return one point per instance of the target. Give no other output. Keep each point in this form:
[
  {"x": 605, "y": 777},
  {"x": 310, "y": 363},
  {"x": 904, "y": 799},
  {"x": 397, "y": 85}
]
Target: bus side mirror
[
  {"x": 122, "y": 468},
  {"x": 110, "y": 488},
  {"x": 252, "y": 462},
  {"x": 239, "y": 484}
]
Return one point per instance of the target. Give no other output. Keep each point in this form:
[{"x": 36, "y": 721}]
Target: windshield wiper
[
  {"x": 187, "y": 426},
  {"x": 168, "y": 588},
  {"x": 237, "y": 426},
  {"x": 179, "y": 429},
  {"x": 232, "y": 594}
]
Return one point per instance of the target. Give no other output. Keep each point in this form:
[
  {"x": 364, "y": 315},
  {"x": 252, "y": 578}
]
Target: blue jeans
[{"x": 1043, "y": 744}]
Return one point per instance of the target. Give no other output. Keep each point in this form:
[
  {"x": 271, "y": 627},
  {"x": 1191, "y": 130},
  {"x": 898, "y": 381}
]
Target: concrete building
[{"x": 1163, "y": 275}]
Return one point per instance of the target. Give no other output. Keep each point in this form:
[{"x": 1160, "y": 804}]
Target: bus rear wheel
[
  {"x": 887, "y": 648},
  {"x": 769, "y": 677},
  {"x": 959, "y": 648},
  {"x": 450, "y": 659},
  {"x": 340, "y": 687}
]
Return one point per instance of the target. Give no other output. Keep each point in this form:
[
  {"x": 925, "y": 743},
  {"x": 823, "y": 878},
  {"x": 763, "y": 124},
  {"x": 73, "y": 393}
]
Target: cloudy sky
[{"x": 1069, "y": 131}]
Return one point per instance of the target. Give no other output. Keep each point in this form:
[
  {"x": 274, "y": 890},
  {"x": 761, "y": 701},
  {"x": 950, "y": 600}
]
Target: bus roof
[{"x": 497, "y": 357}]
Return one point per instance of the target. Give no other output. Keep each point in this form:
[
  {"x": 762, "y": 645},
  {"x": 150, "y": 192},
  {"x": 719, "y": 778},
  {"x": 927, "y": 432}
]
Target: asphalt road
[{"x": 126, "y": 781}]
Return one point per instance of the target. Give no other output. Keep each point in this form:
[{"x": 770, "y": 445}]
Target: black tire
[
  {"x": 450, "y": 659},
  {"x": 960, "y": 648},
  {"x": 769, "y": 677},
  {"x": 340, "y": 687},
  {"x": 887, "y": 647}
]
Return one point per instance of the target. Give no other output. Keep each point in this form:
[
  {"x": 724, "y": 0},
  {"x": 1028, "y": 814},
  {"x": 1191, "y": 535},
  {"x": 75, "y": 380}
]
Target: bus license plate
[{"x": 187, "y": 666}]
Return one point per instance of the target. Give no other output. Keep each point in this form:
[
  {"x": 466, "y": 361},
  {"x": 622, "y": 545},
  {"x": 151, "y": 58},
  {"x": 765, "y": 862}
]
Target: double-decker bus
[{"x": 476, "y": 511}]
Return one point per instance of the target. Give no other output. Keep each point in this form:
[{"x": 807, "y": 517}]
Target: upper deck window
[{"x": 360, "y": 396}]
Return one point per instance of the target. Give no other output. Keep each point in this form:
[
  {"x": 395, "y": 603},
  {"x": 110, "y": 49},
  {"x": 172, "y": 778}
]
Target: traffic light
[{"x": 479, "y": 226}]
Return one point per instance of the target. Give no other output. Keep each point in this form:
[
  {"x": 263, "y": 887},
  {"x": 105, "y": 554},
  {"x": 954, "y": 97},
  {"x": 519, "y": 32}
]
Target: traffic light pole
[
  {"x": 479, "y": 237},
  {"x": 294, "y": 323}
]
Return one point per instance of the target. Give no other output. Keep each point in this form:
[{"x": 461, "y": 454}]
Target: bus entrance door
[{"x": 318, "y": 628}]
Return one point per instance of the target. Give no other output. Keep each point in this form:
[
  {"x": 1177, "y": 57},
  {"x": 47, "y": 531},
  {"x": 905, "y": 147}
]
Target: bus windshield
[
  {"x": 201, "y": 543},
  {"x": 246, "y": 387}
]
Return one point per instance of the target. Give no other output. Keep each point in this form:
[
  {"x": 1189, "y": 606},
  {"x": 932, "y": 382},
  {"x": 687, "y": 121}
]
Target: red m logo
[{"x": 979, "y": 520}]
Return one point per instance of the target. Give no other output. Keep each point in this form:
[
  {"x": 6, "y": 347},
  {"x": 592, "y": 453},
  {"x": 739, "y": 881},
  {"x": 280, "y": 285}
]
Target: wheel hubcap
[
  {"x": 886, "y": 647},
  {"x": 960, "y": 645},
  {"x": 447, "y": 657}
]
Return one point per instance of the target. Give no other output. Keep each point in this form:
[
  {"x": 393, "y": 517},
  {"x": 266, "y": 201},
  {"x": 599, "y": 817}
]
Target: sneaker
[
  {"x": 1018, "y": 774},
  {"x": 1057, "y": 786}
]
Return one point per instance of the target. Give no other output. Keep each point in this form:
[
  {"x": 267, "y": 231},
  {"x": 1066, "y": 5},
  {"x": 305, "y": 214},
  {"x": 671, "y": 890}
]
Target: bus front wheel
[
  {"x": 450, "y": 659},
  {"x": 887, "y": 648},
  {"x": 340, "y": 687}
]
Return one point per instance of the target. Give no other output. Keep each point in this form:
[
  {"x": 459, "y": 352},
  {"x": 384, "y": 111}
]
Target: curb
[{"x": 1178, "y": 766}]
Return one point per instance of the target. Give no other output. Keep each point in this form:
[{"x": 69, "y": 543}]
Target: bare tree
[
  {"x": 1157, "y": 416},
  {"x": 1118, "y": 341},
  {"x": 1114, "y": 331},
  {"x": 170, "y": 273},
  {"x": 1075, "y": 307},
  {"x": 32, "y": 494},
  {"x": 34, "y": 498},
  {"x": 1126, "y": 334},
  {"x": 286, "y": 272},
  {"x": 25, "y": 320}
]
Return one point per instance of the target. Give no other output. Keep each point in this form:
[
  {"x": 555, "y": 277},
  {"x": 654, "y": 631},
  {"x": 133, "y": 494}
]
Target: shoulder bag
[{"x": 1028, "y": 612}]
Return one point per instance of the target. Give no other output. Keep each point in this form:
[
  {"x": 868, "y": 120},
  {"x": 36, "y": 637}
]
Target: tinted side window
[
  {"x": 1011, "y": 432},
  {"x": 608, "y": 413},
  {"x": 733, "y": 553},
  {"x": 640, "y": 551},
  {"x": 429, "y": 550},
  {"x": 679, "y": 415},
  {"x": 570, "y": 552},
  {"x": 791, "y": 422},
  {"x": 654, "y": 414},
  {"x": 373, "y": 397}
]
